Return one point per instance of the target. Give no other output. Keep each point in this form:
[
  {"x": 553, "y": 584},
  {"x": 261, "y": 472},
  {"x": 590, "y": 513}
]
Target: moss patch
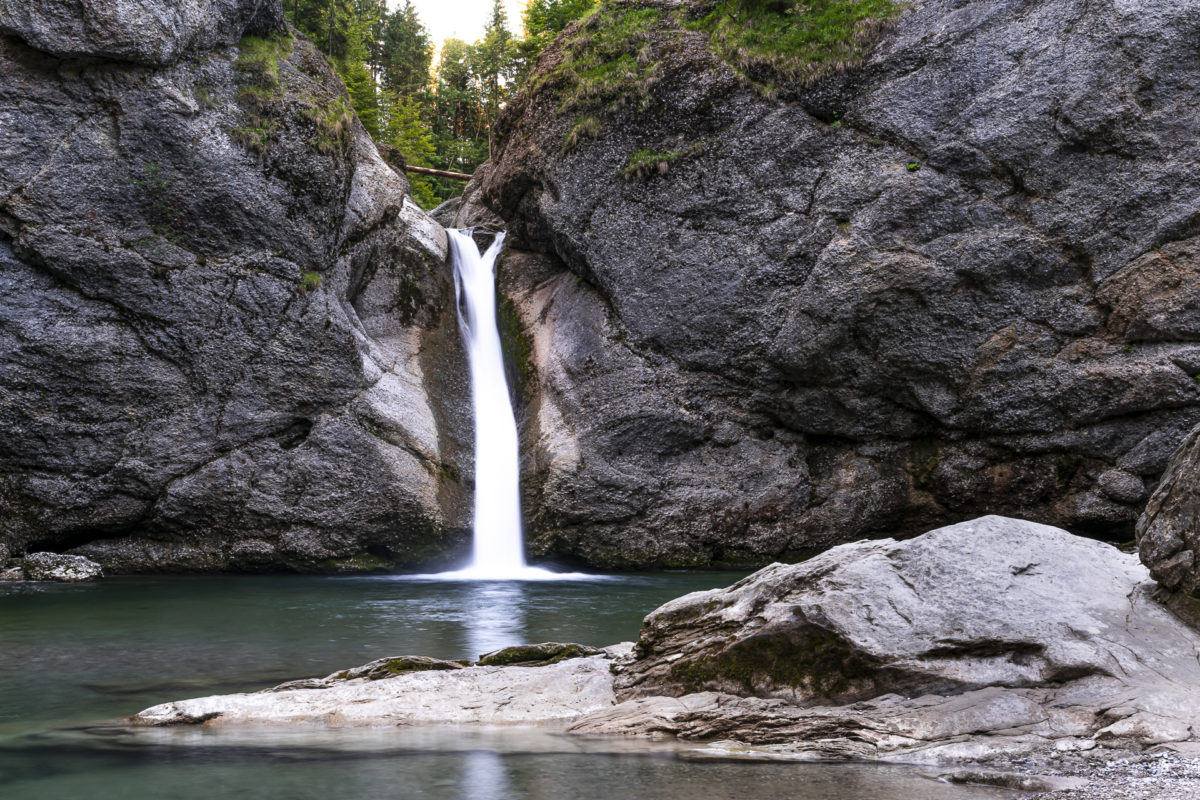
[
  {"x": 812, "y": 660},
  {"x": 536, "y": 655},
  {"x": 516, "y": 347},
  {"x": 795, "y": 39}
]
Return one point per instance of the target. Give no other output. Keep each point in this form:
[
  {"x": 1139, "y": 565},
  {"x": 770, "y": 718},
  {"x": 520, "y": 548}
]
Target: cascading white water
[
  {"x": 498, "y": 552},
  {"x": 498, "y": 549}
]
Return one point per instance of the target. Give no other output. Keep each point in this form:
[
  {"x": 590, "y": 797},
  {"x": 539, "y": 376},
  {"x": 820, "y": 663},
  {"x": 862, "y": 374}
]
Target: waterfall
[
  {"x": 498, "y": 551},
  {"x": 498, "y": 548}
]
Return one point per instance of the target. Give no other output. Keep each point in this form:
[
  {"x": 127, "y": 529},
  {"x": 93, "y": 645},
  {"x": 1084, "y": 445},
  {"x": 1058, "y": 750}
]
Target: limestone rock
[
  {"x": 790, "y": 338},
  {"x": 227, "y": 334},
  {"x": 1168, "y": 532},
  {"x": 914, "y": 617},
  {"x": 62, "y": 568},
  {"x": 985, "y": 637},
  {"x": 546, "y": 695}
]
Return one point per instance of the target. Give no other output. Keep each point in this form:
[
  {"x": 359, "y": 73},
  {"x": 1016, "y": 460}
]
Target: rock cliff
[
  {"x": 764, "y": 309},
  {"x": 220, "y": 313}
]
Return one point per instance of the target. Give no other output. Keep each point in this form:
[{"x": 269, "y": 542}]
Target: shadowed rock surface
[
  {"x": 226, "y": 332},
  {"x": 1169, "y": 531},
  {"x": 956, "y": 279}
]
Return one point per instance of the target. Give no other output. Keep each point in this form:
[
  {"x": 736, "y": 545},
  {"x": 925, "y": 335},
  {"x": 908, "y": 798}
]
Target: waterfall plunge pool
[{"x": 75, "y": 657}]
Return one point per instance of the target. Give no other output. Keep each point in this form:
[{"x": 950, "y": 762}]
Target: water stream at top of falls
[{"x": 498, "y": 550}]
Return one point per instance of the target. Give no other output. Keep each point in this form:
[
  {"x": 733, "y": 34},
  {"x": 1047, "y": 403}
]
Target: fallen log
[{"x": 440, "y": 173}]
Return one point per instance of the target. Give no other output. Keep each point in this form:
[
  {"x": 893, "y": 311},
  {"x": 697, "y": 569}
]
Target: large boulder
[
  {"x": 991, "y": 602},
  {"x": 764, "y": 315},
  {"x": 995, "y": 635},
  {"x": 227, "y": 337}
]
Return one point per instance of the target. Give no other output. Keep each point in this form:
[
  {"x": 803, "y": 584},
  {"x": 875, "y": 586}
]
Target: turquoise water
[{"x": 75, "y": 658}]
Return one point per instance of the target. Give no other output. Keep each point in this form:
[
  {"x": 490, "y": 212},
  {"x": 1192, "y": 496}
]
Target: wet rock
[
  {"x": 12, "y": 574},
  {"x": 373, "y": 671},
  {"x": 791, "y": 338},
  {"x": 227, "y": 334},
  {"x": 536, "y": 655},
  {"x": 62, "y": 568},
  {"x": 1168, "y": 532},
  {"x": 548, "y": 695}
]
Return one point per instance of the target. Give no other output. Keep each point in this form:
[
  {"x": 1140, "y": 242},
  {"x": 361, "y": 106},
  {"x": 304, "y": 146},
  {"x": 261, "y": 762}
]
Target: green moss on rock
[
  {"x": 811, "y": 660},
  {"x": 536, "y": 655}
]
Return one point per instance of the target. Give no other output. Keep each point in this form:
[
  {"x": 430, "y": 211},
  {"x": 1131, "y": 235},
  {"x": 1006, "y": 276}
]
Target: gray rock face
[
  {"x": 56, "y": 567},
  {"x": 988, "y": 636},
  {"x": 959, "y": 279},
  {"x": 226, "y": 332},
  {"x": 151, "y": 32},
  {"x": 1169, "y": 532}
]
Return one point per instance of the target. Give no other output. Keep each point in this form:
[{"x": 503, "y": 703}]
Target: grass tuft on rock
[
  {"x": 259, "y": 58},
  {"x": 584, "y": 128},
  {"x": 334, "y": 121},
  {"x": 608, "y": 60},
  {"x": 261, "y": 93},
  {"x": 647, "y": 163},
  {"x": 796, "y": 39}
]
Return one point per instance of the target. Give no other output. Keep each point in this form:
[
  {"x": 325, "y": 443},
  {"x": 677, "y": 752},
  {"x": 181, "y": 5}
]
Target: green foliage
[
  {"x": 406, "y": 131},
  {"x": 608, "y": 61},
  {"x": 406, "y": 53},
  {"x": 644, "y": 163},
  {"x": 259, "y": 58},
  {"x": 912, "y": 166},
  {"x": 795, "y": 39},
  {"x": 544, "y": 20},
  {"x": 310, "y": 281}
]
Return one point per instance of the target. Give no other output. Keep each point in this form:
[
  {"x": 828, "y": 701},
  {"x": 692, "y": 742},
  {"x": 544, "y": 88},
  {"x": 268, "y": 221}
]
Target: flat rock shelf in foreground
[{"x": 990, "y": 637}]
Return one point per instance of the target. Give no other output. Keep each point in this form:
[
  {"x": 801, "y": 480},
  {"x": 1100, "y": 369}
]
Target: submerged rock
[
  {"x": 956, "y": 278},
  {"x": 227, "y": 334},
  {"x": 58, "y": 567}
]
